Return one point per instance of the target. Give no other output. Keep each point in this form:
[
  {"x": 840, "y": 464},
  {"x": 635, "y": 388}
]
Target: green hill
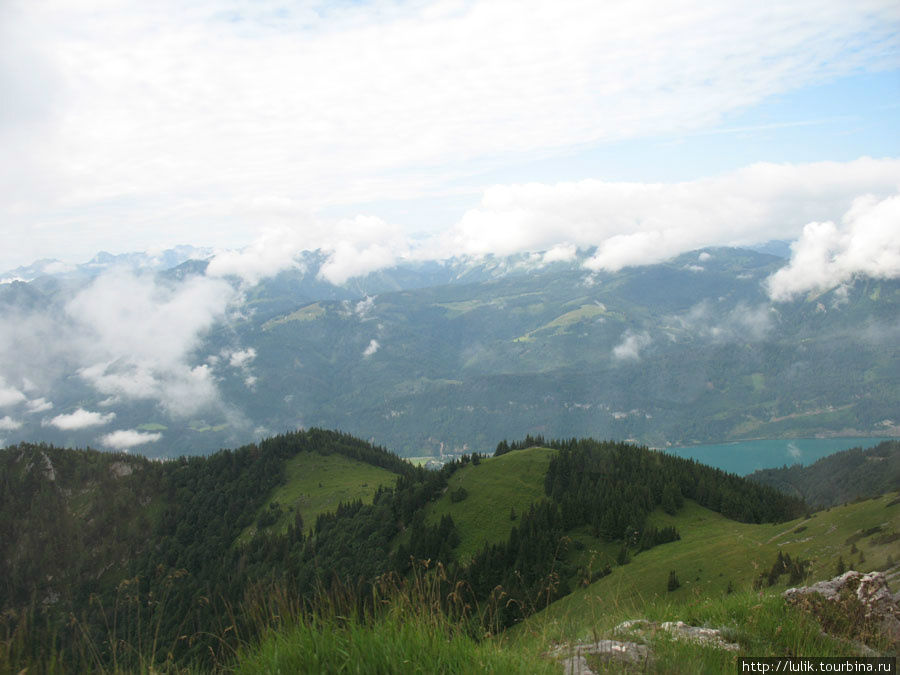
[
  {"x": 186, "y": 563},
  {"x": 715, "y": 554},
  {"x": 493, "y": 490},
  {"x": 314, "y": 484},
  {"x": 840, "y": 477}
]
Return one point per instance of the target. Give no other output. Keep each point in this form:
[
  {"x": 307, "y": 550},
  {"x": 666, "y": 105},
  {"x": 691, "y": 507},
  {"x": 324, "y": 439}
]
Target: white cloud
[
  {"x": 274, "y": 250},
  {"x": 372, "y": 348},
  {"x": 363, "y": 307},
  {"x": 563, "y": 252},
  {"x": 10, "y": 396},
  {"x": 630, "y": 347},
  {"x": 7, "y": 423},
  {"x": 125, "y": 439},
  {"x": 39, "y": 405},
  {"x": 136, "y": 337},
  {"x": 827, "y": 255},
  {"x": 148, "y": 113},
  {"x": 80, "y": 419},
  {"x": 629, "y": 223},
  {"x": 362, "y": 245},
  {"x": 642, "y": 223},
  {"x": 242, "y": 358}
]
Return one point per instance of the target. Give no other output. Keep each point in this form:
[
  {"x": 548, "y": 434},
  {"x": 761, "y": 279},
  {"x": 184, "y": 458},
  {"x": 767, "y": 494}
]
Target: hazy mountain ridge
[
  {"x": 431, "y": 357},
  {"x": 103, "y": 262}
]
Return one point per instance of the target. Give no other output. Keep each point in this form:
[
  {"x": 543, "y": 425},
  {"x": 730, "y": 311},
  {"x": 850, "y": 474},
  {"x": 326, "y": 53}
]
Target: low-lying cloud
[
  {"x": 373, "y": 347},
  {"x": 128, "y": 337},
  {"x": 273, "y": 251},
  {"x": 629, "y": 349},
  {"x": 627, "y": 223},
  {"x": 358, "y": 246},
  {"x": 137, "y": 336},
  {"x": 742, "y": 323},
  {"x": 645, "y": 223},
  {"x": 827, "y": 254},
  {"x": 242, "y": 358}
]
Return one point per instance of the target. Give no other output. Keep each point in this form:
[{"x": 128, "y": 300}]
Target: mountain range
[{"x": 435, "y": 358}]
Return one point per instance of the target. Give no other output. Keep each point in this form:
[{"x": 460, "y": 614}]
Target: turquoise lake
[{"x": 743, "y": 457}]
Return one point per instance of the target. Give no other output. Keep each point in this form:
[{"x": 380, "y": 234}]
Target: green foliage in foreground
[
  {"x": 410, "y": 637},
  {"x": 762, "y": 625},
  {"x": 396, "y": 643}
]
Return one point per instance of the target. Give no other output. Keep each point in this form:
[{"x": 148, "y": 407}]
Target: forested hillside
[
  {"x": 839, "y": 478},
  {"x": 179, "y": 571}
]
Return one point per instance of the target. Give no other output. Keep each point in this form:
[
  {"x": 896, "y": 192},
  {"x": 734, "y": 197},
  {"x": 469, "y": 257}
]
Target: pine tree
[{"x": 673, "y": 581}]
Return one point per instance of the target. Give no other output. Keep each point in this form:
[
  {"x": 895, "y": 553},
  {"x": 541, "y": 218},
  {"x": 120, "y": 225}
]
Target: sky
[
  {"x": 380, "y": 131},
  {"x": 389, "y": 129}
]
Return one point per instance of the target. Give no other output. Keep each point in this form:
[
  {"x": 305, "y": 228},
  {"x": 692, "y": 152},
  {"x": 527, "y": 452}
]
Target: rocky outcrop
[
  {"x": 679, "y": 630},
  {"x": 576, "y": 658},
  {"x": 864, "y": 600}
]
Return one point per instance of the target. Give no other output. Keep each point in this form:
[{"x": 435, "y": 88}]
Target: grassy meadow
[
  {"x": 496, "y": 486},
  {"x": 316, "y": 484},
  {"x": 717, "y": 557}
]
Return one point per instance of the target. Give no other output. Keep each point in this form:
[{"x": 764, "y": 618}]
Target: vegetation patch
[
  {"x": 316, "y": 484},
  {"x": 562, "y": 323},
  {"x": 308, "y": 313},
  {"x": 494, "y": 487}
]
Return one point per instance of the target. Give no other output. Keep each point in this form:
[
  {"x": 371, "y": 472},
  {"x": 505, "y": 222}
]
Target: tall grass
[{"x": 415, "y": 625}]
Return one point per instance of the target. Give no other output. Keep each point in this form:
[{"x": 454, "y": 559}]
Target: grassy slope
[
  {"x": 318, "y": 483},
  {"x": 714, "y": 551},
  {"x": 497, "y": 485}
]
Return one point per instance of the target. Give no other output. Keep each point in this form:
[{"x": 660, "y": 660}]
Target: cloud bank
[
  {"x": 147, "y": 113},
  {"x": 643, "y": 223},
  {"x": 129, "y": 337},
  {"x": 866, "y": 242}
]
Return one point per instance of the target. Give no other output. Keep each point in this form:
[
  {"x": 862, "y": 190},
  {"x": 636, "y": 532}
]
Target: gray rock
[
  {"x": 574, "y": 662},
  {"x": 679, "y": 630},
  {"x": 871, "y": 590}
]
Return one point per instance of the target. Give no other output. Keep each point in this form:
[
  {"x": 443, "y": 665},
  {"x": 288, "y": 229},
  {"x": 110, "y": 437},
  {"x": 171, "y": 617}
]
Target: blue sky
[
  {"x": 396, "y": 125},
  {"x": 852, "y": 117}
]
